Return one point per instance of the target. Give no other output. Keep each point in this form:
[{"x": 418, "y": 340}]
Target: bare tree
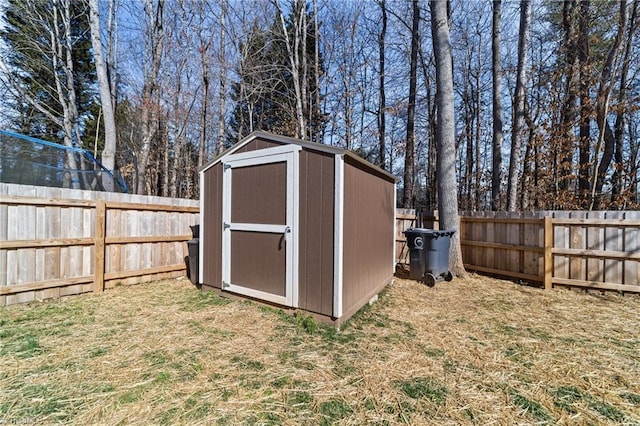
[
  {"x": 205, "y": 41},
  {"x": 409, "y": 152},
  {"x": 605, "y": 136},
  {"x": 222, "y": 92},
  {"x": 297, "y": 59},
  {"x": 585, "y": 101},
  {"x": 496, "y": 69},
  {"x": 382, "y": 101},
  {"x": 445, "y": 133},
  {"x": 108, "y": 112},
  {"x": 564, "y": 149},
  {"x": 150, "y": 105},
  {"x": 317, "y": 131},
  {"x": 519, "y": 103},
  {"x": 618, "y": 173}
]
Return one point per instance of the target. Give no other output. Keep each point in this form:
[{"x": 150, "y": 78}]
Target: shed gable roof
[{"x": 305, "y": 144}]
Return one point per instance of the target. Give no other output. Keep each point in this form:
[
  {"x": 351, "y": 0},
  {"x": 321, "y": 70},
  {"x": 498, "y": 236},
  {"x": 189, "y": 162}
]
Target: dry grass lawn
[{"x": 474, "y": 351}]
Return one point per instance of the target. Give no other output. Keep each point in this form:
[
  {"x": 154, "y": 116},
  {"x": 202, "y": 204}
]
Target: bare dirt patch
[{"x": 473, "y": 351}]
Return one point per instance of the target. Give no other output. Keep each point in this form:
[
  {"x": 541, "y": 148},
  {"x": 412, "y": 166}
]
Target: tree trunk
[
  {"x": 222, "y": 94},
  {"x": 205, "y": 44},
  {"x": 518, "y": 110},
  {"x": 293, "y": 53},
  {"x": 496, "y": 70},
  {"x": 108, "y": 115},
  {"x": 382, "y": 102},
  {"x": 478, "y": 131},
  {"x": 61, "y": 43},
  {"x": 565, "y": 149},
  {"x": 585, "y": 102},
  {"x": 112, "y": 52},
  {"x": 150, "y": 106},
  {"x": 315, "y": 108},
  {"x": 445, "y": 133},
  {"x": 409, "y": 160},
  {"x": 617, "y": 178},
  {"x": 605, "y": 136}
]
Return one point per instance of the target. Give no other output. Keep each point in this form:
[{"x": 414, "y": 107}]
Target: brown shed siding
[
  {"x": 211, "y": 220},
  {"x": 316, "y": 217},
  {"x": 368, "y": 235}
]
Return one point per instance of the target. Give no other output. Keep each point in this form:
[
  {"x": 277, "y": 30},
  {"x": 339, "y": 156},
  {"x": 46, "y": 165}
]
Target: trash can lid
[{"x": 432, "y": 233}]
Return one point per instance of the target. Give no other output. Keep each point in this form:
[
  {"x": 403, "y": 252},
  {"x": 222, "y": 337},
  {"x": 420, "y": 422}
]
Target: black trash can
[
  {"x": 429, "y": 255},
  {"x": 193, "y": 246}
]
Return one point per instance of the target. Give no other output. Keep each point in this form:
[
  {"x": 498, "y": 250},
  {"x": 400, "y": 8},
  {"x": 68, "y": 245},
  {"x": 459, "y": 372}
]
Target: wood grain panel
[
  {"x": 258, "y": 261},
  {"x": 316, "y": 221},
  {"x": 259, "y": 194},
  {"x": 368, "y": 235},
  {"x": 212, "y": 227}
]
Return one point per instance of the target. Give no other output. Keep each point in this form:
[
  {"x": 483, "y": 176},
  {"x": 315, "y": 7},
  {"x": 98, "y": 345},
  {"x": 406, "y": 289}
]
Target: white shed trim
[{"x": 338, "y": 239}]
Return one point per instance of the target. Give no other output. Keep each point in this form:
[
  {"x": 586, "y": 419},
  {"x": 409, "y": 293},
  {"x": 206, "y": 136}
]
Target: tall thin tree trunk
[
  {"x": 585, "y": 102},
  {"x": 202, "y": 142},
  {"x": 304, "y": 65},
  {"x": 518, "y": 114},
  {"x": 108, "y": 114},
  {"x": 150, "y": 105},
  {"x": 222, "y": 94},
  {"x": 409, "y": 160},
  {"x": 382, "y": 101},
  {"x": 445, "y": 134},
  {"x": 72, "y": 179},
  {"x": 293, "y": 53},
  {"x": 315, "y": 108},
  {"x": 496, "y": 70},
  {"x": 112, "y": 52},
  {"x": 565, "y": 149},
  {"x": 605, "y": 136},
  {"x": 478, "y": 130},
  {"x": 616, "y": 179}
]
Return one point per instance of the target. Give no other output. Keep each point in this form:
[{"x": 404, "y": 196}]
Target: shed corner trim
[{"x": 338, "y": 228}]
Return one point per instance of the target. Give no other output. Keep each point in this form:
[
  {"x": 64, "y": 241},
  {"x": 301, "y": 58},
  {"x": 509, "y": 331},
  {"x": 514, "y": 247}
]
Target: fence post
[
  {"x": 99, "y": 246},
  {"x": 548, "y": 255}
]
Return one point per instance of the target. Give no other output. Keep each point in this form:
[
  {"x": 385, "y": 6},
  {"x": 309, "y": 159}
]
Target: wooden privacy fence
[
  {"x": 51, "y": 247},
  {"x": 598, "y": 250}
]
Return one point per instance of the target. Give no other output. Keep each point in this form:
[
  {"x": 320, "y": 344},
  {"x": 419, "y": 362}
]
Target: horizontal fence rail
[
  {"x": 594, "y": 250},
  {"x": 56, "y": 242},
  {"x": 52, "y": 246}
]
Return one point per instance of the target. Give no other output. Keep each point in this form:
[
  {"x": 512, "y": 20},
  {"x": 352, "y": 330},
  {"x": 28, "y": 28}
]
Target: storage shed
[{"x": 296, "y": 224}]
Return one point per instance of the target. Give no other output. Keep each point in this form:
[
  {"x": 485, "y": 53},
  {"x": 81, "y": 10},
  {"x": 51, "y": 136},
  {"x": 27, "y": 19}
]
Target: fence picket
[
  {"x": 613, "y": 240},
  {"x": 632, "y": 245},
  {"x": 595, "y": 241},
  {"x": 577, "y": 240}
]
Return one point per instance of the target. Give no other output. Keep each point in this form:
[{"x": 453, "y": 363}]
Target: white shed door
[{"x": 259, "y": 235}]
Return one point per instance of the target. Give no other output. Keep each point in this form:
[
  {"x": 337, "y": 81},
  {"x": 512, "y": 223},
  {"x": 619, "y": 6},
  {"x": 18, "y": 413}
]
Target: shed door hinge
[
  {"x": 226, "y": 166},
  {"x": 225, "y": 284},
  {"x": 225, "y": 225}
]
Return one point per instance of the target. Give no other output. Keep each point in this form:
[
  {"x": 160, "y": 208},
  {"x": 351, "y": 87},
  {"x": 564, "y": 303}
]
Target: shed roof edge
[{"x": 289, "y": 140}]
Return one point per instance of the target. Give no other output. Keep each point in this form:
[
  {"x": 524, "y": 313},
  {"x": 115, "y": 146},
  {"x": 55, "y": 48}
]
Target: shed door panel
[
  {"x": 260, "y": 194},
  {"x": 258, "y": 261},
  {"x": 259, "y": 230}
]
